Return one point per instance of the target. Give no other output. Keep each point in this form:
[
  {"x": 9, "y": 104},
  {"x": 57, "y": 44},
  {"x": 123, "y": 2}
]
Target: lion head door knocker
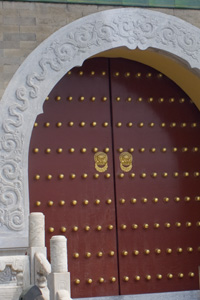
[
  {"x": 101, "y": 161},
  {"x": 125, "y": 159}
]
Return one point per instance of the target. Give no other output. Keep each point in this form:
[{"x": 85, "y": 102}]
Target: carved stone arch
[{"x": 46, "y": 65}]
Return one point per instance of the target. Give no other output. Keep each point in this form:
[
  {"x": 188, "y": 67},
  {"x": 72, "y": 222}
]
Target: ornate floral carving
[{"x": 70, "y": 46}]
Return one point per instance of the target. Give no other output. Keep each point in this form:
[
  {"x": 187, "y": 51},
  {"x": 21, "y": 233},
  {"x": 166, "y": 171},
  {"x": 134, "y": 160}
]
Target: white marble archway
[{"x": 46, "y": 65}]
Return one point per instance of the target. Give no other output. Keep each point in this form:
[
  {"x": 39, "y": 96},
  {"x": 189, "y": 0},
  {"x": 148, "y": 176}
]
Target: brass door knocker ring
[
  {"x": 125, "y": 159},
  {"x": 101, "y": 161}
]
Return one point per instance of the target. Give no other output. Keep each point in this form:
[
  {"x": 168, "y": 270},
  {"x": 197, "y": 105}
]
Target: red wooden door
[
  {"x": 114, "y": 165},
  {"x": 158, "y": 198},
  {"x": 75, "y": 189}
]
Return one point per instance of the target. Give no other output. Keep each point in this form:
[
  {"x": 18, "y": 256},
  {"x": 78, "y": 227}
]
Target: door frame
[{"x": 162, "y": 41}]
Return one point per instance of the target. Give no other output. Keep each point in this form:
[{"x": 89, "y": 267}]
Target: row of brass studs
[
  {"x": 163, "y": 149},
  {"x": 87, "y": 228},
  {"x": 120, "y": 124},
  {"x": 111, "y": 253},
  {"x": 90, "y": 280},
  {"x": 72, "y": 176},
  {"x": 131, "y": 150},
  {"x": 75, "y": 228},
  {"x": 137, "y": 278},
  {"x": 151, "y": 99},
  {"x": 70, "y": 150},
  {"x": 81, "y": 98},
  {"x": 129, "y": 99},
  {"x": 163, "y": 125},
  {"x": 138, "y": 75},
  {"x": 75, "y": 202},
  {"x": 121, "y": 175},
  {"x": 157, "y": 225},
  {"x": 156, "y": 200},
  {"x": 158, "y": 276},
  {"x": 92, "y": 73},
  {"x": 71, "y": 124},
  {"x": 116, "y": 74},
  {"x": 163, "y": 175},
  {"x": 145, "y": 226},
  {"x": 158, "y": 251},
  {"x": 122, "y": 201}
]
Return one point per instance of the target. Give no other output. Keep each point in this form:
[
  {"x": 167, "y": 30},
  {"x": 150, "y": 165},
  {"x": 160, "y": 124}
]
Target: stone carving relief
[
  {"x": 69, "y": 47},
  {"x": 12, "y": 271},
  {"x": 11, "y": 206},
  {"x": 8, "y": 276}
]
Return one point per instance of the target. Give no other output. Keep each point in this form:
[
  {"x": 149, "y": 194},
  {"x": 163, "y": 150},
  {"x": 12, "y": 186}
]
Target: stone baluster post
[
  {"x": 59, "y": 279},
  {"x": 36, "y": 240}
]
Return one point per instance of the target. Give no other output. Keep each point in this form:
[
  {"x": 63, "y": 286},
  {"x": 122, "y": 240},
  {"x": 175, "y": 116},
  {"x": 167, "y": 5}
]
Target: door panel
[
  {"x": 78, "y": 200},
  {"x": 132, "y": 225},
  {"x": 159, "y": 131}
]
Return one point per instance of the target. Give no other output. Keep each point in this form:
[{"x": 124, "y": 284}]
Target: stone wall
[{"x": 24, "y": 25}]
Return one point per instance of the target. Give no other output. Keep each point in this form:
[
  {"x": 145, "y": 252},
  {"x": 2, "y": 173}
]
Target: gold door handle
[
  {"x": 101, "y": 161},
  {"x": 126, "y": 159}
]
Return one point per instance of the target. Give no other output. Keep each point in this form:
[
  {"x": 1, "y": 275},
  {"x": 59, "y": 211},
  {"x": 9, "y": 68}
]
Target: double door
[{"x": 114, "y": 166}]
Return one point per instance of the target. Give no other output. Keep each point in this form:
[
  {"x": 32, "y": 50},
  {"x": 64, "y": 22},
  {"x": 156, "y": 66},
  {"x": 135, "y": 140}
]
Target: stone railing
[
  {"x": 53, "y": 280},
  {"x": 19, "y": 273}
]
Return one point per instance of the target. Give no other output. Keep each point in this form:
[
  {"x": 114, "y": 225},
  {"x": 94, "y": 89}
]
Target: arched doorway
[
  {"x": 131, "y": 218},
  {"x": 70, "y": 46}
]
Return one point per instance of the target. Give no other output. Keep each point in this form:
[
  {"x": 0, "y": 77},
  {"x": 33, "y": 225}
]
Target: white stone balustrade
[
  {"x": 36, "y": 240},
  {"x": 36, "y": 230},
  {"x": 59, "y": 279},
  {"x": 58, "y": 248}
]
